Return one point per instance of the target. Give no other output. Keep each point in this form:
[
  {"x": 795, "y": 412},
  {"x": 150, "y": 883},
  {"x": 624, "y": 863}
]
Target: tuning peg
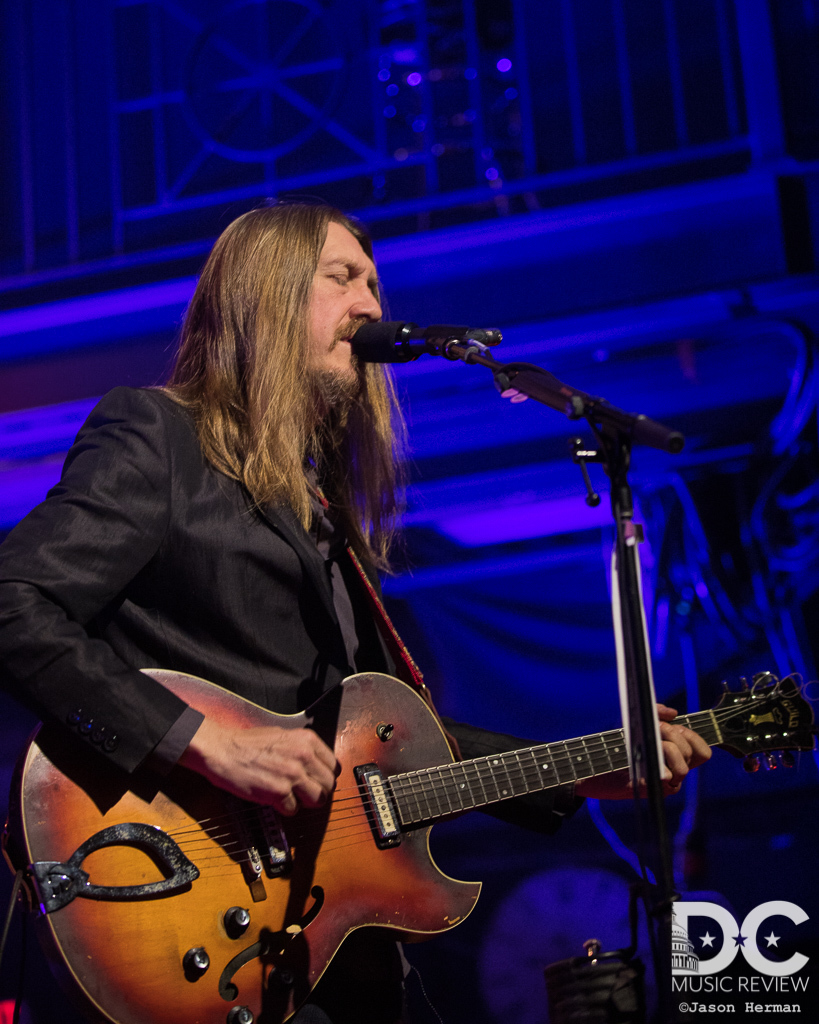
[
  {"x": 743, "y": 682},
  {"x": 751, "y": 763},
  {"x": 763, "y": 679},
  {"x": 788, "y": 760},
  {"x": 725, "y": 687},
  {"x": 771, "y": 761}
]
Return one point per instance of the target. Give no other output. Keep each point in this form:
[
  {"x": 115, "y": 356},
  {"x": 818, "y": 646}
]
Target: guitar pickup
[
  {"x": 276, "y": 850},
  {"x": 380, "y": 808},
  {"x": 262, "y": 846}
]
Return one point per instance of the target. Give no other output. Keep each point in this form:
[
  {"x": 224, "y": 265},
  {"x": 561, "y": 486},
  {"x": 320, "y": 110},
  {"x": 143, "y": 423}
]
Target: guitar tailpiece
[{"x": 57, "y": 883}]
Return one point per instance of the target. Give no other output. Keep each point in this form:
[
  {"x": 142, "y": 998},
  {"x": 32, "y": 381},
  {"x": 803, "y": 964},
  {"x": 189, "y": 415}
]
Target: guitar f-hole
[{"x": 271, "y": 945}]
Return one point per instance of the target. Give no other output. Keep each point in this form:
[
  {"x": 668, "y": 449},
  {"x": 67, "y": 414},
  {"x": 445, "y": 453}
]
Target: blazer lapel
[{"x": 285, "y": 523}]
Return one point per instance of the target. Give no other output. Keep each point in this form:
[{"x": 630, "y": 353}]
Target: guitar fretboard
[{"x": 433, "y": 793}]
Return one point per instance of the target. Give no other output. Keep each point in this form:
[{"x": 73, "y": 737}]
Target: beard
[
  {"x": 334, "y": 394},
  {"x": 335, "y": 390}
]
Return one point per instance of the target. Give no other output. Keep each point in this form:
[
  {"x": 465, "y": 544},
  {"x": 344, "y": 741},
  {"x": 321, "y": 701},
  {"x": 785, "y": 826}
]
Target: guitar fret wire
[
  {"x": 427, "y": 791},
  {"x": 445, "y": 789},
  {"x": 519, "y": 775},
  {"x": 442, "y": 788},
  {"x": 522, "y": 776},
  {"x": 417, "y": 793},
  {"x": 463, "y": 788},
  {"x": 502, "y": 759},
  {"x": 431, "y": 790},
  {"x": 449, "y": 790},
  {"x": 468, "y": 785},
  {"x": 415, "y": 796}
]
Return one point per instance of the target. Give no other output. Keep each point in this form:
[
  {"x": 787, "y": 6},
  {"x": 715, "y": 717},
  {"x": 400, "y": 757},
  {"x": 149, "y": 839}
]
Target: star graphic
[
  {"x": 707, "y": 939},
  {"x": 740, "y": 939},
  {"x": 771, "y": 939}
]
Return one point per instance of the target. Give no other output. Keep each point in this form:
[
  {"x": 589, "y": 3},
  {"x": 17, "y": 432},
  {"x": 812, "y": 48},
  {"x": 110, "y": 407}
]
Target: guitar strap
[{"x": 405, "y": 667}]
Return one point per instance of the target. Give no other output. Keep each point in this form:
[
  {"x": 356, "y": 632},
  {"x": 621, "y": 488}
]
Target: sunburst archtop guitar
[{"x": 170, "y": 902}]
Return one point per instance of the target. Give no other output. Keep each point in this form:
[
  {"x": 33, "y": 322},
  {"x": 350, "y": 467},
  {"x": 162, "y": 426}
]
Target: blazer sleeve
[
  {"x": 539, "y": 812},
  {"x": 70, "y": 560}
]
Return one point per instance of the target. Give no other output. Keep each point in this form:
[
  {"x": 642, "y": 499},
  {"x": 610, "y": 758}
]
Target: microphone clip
[{"x": 581, "y": 456}]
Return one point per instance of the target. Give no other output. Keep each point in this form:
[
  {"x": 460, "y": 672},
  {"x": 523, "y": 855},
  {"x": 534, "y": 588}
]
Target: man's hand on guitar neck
[
  {"x": 288, "y": 768},
  {"x": 683, "y": 749}
]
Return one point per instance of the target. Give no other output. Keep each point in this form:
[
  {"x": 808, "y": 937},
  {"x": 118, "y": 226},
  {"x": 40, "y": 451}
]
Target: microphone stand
[{"x": 616, "y": 432}]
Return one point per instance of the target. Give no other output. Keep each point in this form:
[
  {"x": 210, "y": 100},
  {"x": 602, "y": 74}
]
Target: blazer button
[
  {"x": 85, "y": 726},
  {"x": 98, "y": 734},
  {"x": 74, "y": 717},
  {"x": 110, "y": 743}
]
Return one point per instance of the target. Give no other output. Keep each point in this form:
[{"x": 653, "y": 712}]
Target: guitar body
[{"x": 124, "y": 952}]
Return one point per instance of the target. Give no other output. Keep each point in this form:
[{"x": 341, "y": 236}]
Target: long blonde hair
[{"x": 242, "y": 372}]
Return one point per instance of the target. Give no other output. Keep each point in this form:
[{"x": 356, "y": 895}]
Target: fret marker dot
[
  {"x": 495, "y": 761},
  {"x": 545, "y": 766},
  {"x": 504, "y": 792}
]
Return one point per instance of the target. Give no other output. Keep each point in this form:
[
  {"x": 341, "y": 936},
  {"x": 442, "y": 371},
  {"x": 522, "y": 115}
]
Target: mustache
[{"x": 346, "y": 331}]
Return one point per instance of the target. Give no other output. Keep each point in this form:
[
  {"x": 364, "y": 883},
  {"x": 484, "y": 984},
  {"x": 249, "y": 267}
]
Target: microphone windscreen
[{"x": 378, "y": 343}]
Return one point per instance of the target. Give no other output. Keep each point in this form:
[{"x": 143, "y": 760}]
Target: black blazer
[{"x": 144, "y": 555}]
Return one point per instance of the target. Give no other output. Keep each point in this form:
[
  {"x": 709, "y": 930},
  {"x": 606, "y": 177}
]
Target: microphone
[{"x": 403, "y": 342}]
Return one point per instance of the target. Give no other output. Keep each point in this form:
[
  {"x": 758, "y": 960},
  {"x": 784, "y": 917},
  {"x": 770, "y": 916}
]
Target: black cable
[
  {"x": 18, "y": 1001},
  {"x": 18, "y": 880},
  {"x": 15, "y": 889}
]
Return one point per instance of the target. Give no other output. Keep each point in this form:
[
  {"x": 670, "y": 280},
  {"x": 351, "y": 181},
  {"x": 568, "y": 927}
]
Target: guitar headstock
[{"x": 767, "y": 716}]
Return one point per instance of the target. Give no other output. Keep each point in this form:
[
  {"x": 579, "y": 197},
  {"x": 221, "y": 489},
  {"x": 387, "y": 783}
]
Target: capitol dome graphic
[{"x": 683, "y": 958}]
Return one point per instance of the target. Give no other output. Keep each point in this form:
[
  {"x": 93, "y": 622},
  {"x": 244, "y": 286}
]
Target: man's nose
[{"x": 366, "y": 304}]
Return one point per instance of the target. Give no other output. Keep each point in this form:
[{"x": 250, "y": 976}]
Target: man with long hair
[{"x": 231, "y": 525}]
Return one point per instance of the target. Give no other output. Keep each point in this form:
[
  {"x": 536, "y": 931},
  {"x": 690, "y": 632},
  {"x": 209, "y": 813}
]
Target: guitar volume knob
[
  {"x": 195, "y": 962},
  {"x": 236, "y": 921},
  {"x": 240, "y": 1015}
]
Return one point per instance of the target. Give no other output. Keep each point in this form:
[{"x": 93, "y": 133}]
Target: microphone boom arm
[{"x": 535, "y": 382}]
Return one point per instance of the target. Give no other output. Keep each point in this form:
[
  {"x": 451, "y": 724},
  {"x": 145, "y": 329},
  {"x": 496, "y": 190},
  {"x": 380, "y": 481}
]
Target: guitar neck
[{"x": 434, "y": 793}]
